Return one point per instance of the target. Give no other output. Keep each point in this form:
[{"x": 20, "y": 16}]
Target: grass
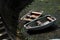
[{"x": 51, "y": 7}]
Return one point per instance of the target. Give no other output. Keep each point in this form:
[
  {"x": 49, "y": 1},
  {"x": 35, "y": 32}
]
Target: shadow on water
[
  {"x": 46, "y": 30},
  {"x": 10, "y": 10}
]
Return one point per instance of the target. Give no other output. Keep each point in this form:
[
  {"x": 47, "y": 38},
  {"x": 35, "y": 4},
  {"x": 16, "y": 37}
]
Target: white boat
[{"x": 40, "y": 23}]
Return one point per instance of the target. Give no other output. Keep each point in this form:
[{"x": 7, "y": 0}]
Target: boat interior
[{"x": 32, "y": 15}]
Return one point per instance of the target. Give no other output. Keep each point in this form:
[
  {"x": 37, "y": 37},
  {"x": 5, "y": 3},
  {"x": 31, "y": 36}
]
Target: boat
[
  {"x": 40, "y": 23},
  {"x": 32, "y": 15}
]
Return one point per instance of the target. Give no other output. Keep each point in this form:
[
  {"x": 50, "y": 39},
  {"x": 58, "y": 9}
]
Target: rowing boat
[
  {"x": 32, "y": 15},
  {"x": 40, "y": 23}
]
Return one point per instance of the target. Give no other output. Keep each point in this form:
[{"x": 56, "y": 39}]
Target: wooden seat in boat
[
  {"x": 49, "y": 18},
  {"x": 36, "y": 13},
  {"x": 27, "y": 19},
  {"x": 34, "y": 16},
  {"x": 38, "y": 22}
]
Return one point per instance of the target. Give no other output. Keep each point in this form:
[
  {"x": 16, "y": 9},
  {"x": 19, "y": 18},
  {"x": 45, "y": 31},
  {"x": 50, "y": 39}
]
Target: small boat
[
  {"x": 31, "y": 16},
  {"x": 40, "y": 23}
]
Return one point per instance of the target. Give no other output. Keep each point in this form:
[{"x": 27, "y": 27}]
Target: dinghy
[
  {"x": 40, "y": 23},
  {"x": 32, "y": 15}
]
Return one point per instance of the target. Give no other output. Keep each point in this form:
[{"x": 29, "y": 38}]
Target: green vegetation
[{"x": 51, "y": 7}]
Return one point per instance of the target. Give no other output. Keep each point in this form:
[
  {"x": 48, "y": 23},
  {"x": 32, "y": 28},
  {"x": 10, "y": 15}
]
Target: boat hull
[{"x": 42, "y": 27}]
